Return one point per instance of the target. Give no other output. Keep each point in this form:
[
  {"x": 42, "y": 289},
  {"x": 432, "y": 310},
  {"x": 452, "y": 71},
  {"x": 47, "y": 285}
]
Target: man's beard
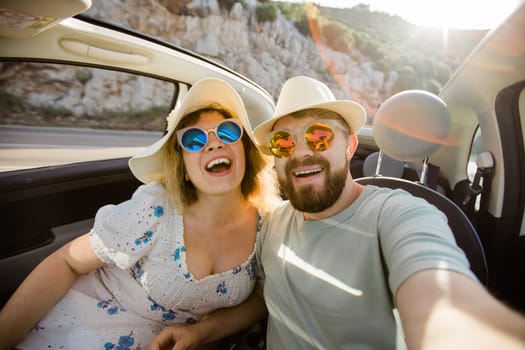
[{"x": 309, "y": 199}]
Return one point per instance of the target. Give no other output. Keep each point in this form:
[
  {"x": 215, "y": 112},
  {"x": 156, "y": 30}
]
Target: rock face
[{"x": 268, "y": 52}]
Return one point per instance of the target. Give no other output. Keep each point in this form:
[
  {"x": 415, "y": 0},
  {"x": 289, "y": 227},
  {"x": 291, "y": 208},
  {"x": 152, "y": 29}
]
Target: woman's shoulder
[
  {"x": 150, "y": 189},
  {"x": 148, "y": 201},
  {"x": 124, "y": 232}
]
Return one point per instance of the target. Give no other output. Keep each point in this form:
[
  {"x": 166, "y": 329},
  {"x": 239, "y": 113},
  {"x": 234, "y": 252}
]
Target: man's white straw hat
[
  {"x": 204, "y": 93},
  {"x": 302, "y": 92}
]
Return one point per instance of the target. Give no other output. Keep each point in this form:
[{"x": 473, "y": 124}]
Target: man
[{"x": 338, "y": 257}]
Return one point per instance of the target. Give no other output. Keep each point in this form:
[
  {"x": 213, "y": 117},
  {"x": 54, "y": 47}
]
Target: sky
[{"x": 464, "y": 14}]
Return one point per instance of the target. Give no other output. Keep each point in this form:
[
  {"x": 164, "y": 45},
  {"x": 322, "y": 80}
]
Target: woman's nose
[{"x": 213, "y": 142}]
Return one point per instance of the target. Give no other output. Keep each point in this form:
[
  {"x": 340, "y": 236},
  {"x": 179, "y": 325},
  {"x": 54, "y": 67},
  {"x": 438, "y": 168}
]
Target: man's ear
[{"x": 353, "y": 142}]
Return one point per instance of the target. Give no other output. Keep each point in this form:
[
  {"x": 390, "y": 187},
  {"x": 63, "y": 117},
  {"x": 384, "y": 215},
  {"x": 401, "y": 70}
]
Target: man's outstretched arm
[{"x": 441, "y": 309}]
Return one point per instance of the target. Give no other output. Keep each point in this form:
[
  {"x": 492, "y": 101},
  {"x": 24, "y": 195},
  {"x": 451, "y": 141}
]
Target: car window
[
  {"x": 475, "y": 150},
  {"x": 57, "y": 114}
]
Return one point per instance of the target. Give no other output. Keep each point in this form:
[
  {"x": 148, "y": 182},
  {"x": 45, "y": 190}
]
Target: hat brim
[
  {"x": 352, "y": 113},
  {"x": 204, "y": 93}
]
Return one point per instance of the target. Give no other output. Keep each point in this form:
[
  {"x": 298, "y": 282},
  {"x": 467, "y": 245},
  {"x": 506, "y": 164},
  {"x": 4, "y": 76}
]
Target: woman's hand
[
  {"x": 214, "y": 327},
  {"x": 176, "y": 338}
]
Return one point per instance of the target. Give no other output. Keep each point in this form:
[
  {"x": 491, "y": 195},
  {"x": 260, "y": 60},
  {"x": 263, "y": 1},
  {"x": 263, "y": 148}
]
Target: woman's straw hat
[{"x": 204, "y": 93}]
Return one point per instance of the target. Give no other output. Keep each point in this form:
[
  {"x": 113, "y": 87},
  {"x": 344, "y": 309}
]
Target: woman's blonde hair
[{"x": 258, "y": 186}]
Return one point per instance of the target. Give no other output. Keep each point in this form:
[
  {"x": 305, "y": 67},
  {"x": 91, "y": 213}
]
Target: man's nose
[{"x": 301, "y": 148}]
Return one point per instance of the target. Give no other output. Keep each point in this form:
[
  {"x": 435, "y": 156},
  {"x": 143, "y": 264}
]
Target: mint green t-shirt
[{"x": 324, "y": 281}]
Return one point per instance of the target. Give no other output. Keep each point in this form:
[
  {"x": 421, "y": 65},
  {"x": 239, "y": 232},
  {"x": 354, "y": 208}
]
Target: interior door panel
[{"x": 44, "y": 208}]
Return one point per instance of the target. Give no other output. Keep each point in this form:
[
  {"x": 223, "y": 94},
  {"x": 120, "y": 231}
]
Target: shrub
[
  {"x": 83, "y": 75},
  {"x": 338, "y": 37},
  {"x": 266, "y": 12},
  {"x": 228, "y": 4},
  {"x": 303, "y": 26}
]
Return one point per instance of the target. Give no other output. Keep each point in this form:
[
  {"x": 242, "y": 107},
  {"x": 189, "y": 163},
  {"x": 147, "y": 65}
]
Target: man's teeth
[
  {"x": 307, "y": 172},
  {"x": 218, "y": 161}
]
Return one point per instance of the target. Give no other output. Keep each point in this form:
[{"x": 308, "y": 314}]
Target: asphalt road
[{"x": 23, "y": 147}]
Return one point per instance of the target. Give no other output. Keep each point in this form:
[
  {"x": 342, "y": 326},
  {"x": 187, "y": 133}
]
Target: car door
[
  {"x": 78, "y": 100},
  {"x": 58, "y": 170}
]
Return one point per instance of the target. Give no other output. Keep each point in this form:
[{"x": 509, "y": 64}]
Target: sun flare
[{"x": 460, "y": 14}]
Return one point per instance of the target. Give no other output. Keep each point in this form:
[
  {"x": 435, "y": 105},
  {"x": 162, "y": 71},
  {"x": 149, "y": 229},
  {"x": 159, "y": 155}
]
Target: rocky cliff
[{"x": 267, "y": 52}]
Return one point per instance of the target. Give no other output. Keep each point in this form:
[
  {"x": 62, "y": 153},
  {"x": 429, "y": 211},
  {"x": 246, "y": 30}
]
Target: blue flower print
[
  {"x": 144, "y": 239},
  {"x": 251, "y": 269},
  {"x": 237, "y": 269},
  {"x": 136, "y": 270},
  {"x": 167, "y": 315},
  {"x": 154, "y": 306},
  {"x": 158, "y": 211},
  {"x": 109, "y": 307},
  {"x": 177, "y": 252},
  {"x": 124, "y": 343},
  {"x": 221, "y": 288}
]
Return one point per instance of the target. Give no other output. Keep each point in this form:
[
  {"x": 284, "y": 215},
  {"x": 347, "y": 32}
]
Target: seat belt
[{"x": 485, "y": 164}]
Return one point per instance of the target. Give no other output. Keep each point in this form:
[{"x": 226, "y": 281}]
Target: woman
[{"x": 181, "y": 247}]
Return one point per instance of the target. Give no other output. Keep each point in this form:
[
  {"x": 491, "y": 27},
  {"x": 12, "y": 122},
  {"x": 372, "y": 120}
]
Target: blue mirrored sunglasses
[{"x": 194, "y": 139}]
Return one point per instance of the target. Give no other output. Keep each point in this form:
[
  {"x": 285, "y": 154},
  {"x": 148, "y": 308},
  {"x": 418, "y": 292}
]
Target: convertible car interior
[{"x": 462, "y": 150}]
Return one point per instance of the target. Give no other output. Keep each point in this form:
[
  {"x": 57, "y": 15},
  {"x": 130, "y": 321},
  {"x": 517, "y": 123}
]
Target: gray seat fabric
[
  {"x": 464, "y": 232},
  {"x": 411, "y": 126},
  {"x": 389, "y": 166}
]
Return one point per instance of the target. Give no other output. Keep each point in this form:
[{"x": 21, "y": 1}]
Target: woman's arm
[
  {"x": 215, "y": 326},
  {"x": 44, "y": 287},
  {"x": 441, "y": 309}
]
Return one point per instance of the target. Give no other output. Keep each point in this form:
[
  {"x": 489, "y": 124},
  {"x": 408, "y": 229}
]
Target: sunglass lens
[
  {"x": 281, "y": 144},
  {"x": 229, "y": 132},
  {"x": 194, "y": 140},
  {"x": 319, "y": 136}
]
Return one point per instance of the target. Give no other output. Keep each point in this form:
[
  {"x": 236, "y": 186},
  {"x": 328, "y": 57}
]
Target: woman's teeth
[{"x": 218, "y": 164}]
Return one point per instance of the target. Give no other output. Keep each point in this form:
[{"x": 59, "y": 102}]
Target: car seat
[{"x": 409, "y": 127}]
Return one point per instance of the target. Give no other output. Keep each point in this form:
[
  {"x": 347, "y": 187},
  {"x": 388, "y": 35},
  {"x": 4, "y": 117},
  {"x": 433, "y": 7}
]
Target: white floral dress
[{"x": 145, "y": 286}]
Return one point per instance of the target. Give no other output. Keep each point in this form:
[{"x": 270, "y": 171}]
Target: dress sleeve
[{"x": 124, "y": 233}]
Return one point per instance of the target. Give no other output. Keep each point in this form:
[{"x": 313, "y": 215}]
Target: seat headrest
[
  {"x": 389, "y": 166},
  {"x": 411, "y": 125}
]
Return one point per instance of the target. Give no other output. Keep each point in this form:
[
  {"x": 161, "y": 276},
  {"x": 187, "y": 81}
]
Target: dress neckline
[{"x": 217, "y": 275}]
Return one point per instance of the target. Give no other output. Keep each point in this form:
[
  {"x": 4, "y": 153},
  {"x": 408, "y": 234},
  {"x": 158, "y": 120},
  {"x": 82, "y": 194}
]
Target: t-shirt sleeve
[
  {"x": 124, "y": 233},
  {"x": 415, "y": 236}
]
